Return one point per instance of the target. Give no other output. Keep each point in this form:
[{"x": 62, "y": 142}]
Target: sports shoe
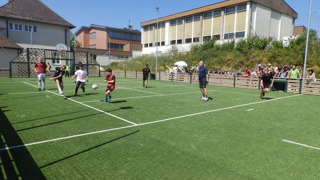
[
  {"x": 109, "y": 99},
  {"x": 105, "y": 100},
  {"x": 205, "y": 99},
  {"x": 39, "y": 89},
  {"x": 61, "y": 94}
]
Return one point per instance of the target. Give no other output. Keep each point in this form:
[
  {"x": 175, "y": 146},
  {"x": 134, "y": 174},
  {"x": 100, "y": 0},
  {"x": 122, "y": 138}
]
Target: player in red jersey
[
  {"x": 41, "y": 68},
  {"x": 111, "y": 80}
]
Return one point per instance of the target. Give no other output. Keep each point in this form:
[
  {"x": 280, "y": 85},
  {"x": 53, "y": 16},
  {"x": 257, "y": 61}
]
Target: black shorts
[
  {"x": 109, "y": 90},
  {"x": 265, "y": 86},
  {"x": 145, "y": 78},
  {"x": 202, "y": 84},
  {"x": 60, "y": 80}
]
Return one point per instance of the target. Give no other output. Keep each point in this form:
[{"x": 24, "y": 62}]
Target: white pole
[
  {"x": 157, "y": 8},
  {"x": 307, "y": 44},
  {"x": 31, "y": 29}
]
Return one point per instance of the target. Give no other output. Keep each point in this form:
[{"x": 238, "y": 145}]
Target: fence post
[
  {"x": 300, "y": 86},
  {"x": 234, "y": 80},
  {"x": 87, "y": 57},
  {"x": 125, "y": 73},
  {"x": 171, "y": 77},
  {"x": 259, "y": 83},
  {"x": 159, "y": 75},
  {"x": 99, "y": 71},
  {"x": 10, "y": 72},
  {"x": 28, "y": 62},
  {"x": 136, "y": 74},
  {"x": 190, "y": 78}
]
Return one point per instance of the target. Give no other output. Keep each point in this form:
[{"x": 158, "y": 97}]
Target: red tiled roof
[
  {"x": 7, "y": 43},
  {"x": 32, "y": 10}
]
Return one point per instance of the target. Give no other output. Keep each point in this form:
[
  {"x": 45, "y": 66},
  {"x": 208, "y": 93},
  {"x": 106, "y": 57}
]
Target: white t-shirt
[{"x": 81, "y": 75}]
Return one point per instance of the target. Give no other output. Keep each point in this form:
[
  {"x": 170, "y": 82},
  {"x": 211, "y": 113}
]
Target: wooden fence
[{"x": 293, "y": 85}]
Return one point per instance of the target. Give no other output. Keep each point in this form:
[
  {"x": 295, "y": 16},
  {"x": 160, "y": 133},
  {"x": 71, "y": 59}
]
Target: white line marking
[
  {"x": 88, "y": 106},
  {"x": 142, "y": 124},
  {"x": 299, "y": 144},
  {"x": 250, "y": 110},
  {"x": 134, "y": 90}
]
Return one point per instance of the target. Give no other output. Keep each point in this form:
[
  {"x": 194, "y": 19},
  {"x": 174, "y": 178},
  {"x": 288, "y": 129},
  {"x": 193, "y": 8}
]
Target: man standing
[
  {"x": 40, "y": 68},
  {"x": 67, "y": 74},
  {"x": 266, "y": 82},
  {"x": 81, "y": 75},
  {"x": 203, "y": 80},
  {"x": 294, "y": 73},
  {"x": 146, "y": 75}
]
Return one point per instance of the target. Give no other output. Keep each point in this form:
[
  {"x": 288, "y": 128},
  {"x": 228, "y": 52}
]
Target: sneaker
[
  {"x": 61, "y": 94},
  {"x": 105, "y": 100},
  {"x": 205, "y": 99},
  {"x": 39, "y": 89},
  {"x": 109, "y": 99}
]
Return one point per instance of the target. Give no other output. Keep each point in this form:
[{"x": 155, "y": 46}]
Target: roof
[
  {"x": 7, "y": 43},
  {"x": 277, "y": 5},
  {"x": 94, "y": 26},
  {"x": 105, "y": 52},
  {"x": 32, "y": 10}
]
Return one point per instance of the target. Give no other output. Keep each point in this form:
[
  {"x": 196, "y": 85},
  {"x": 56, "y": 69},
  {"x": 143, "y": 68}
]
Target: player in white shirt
[{"x": 82, "y": 76}]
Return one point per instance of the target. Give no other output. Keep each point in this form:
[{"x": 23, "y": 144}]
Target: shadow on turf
[
  {"x": 56, "y": 115},
  {"x": 120, "y": 101},
  {"x": 16, "y": 163},
  {"x": 267, "y": 98},
  {"x": 57, "y": 122},
  {"x": 92, "y": 148}
]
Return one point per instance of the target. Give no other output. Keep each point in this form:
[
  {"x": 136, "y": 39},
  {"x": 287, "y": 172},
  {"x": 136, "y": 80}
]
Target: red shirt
[
  {"x": 111, "y": 78},
  {"x": 41, "y": 67}
]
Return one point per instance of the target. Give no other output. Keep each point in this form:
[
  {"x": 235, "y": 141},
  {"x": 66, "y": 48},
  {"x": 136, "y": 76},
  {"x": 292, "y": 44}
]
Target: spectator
[
  {"x": 282, "y": 73},
  {"x": 175, "y": 69},
  {"x": 294, "y": 73},
  {"x": 311, "y": 76}
]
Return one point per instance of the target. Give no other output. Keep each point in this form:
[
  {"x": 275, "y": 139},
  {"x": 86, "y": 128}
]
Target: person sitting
[{"x": 311, "y": 76}]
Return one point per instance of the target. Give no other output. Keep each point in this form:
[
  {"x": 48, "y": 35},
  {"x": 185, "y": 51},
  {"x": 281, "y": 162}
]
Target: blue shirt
[{"x": 203, "y": 71}]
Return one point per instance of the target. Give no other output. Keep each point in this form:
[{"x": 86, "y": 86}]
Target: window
[
  {"x": 146, "y": 45},
  {"x": 173, "y": 22},
  {"x": 207, "y": 15},
  {"x": 189, "y": 40},
  {"x": 173, "y": 42},
  {"x": 20, "y": 27},
  {"x": 229, "y": 36},
  {"x": 116, "y": 46},
  {"x": 124, "y": 36},
  {"x": 217, "y": 37},
  {"x": 230, "y": 10},
  {"x": 34, "y": 29},
  {"x": 145, "y": 28},
  {"x": 180, "y": 21},
  {"x": 240, "y": 34},
  {"x": 163, "y": 43},
  {"x": 93, "y": 36},
  {"x": 93, "y": 46},
  {"x": 30, "y": 28},
  {"x": 150, "y": 44},
  {"x": 197, "y": 18},
  {"x": 16, "y": 27},
  {"x": 189, "y": 19},
  {"x": 241, "y": 8},
  {"x": 26, "y": 28},
  {"x": 162, "y": 25},
  {"x": 11, "y": 26},
  {"x": 216, "y": 13},
  {"x": 196, "y": 39},
  {"x": 205, "y": 38},
  {"x": 179, "y": 41},
  {"x": 157, "y": 43}
]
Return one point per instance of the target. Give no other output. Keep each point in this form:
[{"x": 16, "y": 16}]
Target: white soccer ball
[{"x": 94, "y": 86}]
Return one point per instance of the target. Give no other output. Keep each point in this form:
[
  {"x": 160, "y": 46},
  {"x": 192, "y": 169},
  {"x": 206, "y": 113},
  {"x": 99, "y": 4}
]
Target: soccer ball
[{"x": 94, "y": 86}]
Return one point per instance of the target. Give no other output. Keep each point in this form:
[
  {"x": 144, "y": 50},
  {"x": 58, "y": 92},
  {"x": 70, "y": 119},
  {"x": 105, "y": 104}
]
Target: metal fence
[{"x": 290, "y": 85}]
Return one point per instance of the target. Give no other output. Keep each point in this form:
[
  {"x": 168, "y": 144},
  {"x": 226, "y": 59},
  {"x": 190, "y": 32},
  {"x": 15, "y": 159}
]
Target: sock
[
  {"x": 43, "y": 84},
  {"x": 39, "y": 83},
  {"x": 60, "y": 91}
]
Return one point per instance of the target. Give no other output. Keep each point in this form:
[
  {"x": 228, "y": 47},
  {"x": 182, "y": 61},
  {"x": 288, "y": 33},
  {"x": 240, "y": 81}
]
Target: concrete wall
[
  {"x": 6, "y": 55},
  {"x": 47, "y": 35}
]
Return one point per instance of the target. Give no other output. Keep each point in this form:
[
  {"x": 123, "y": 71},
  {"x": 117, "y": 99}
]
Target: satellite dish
[{"x": 61, "y": 47}]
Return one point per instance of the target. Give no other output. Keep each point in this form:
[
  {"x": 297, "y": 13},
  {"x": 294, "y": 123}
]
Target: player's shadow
[
  {"x": 119, "y": 101},
  {"x": 88, "y": 94},
  {"x": 151, "y": 87},
  {"x": 121, "y": 108},
  {"x": 52, "y": 116},
  {"x": 57, "y": 122},
  {"x": 267, "y": 98},
  {"x": 89, "y": 149}
]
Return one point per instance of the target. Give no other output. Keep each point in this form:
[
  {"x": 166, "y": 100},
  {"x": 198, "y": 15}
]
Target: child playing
[{"x": 111, "y": 80}]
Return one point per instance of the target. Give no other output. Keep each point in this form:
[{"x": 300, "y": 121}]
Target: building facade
[{"x": 224, "y": 21}]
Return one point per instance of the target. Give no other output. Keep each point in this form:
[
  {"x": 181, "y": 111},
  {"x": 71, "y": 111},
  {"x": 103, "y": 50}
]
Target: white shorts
[{"x": 41, "y": 76}]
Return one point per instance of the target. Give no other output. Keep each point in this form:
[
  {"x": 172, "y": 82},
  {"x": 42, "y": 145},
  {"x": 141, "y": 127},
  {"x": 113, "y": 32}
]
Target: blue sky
[{"x": 118, "y": 13}]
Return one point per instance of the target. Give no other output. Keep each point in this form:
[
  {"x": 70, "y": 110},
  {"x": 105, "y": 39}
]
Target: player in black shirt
[
  {"x": 146, "y": 75},
  {"x": 266, "y": 82},
  {"x": 57, "y": 77}
]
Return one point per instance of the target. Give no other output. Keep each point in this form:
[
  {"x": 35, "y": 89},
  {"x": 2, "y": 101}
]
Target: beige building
[
  {"x": 226, "y": 20},
  {"x": 30, "y": 24}
]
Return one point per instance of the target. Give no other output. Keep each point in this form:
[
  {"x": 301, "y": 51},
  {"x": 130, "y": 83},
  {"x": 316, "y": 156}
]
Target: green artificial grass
[{"x": 177, "y": 136}]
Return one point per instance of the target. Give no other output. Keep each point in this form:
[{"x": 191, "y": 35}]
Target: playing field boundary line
[
  {"x": 99, "y": 110},
  {"x": 299, "y": 144},
  {"x": 135, "y": 90},
  {"x": 143, "y": 124}
]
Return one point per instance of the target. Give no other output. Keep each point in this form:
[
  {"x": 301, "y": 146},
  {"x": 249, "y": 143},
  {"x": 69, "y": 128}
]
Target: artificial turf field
[{"x": 162, "y": 132}]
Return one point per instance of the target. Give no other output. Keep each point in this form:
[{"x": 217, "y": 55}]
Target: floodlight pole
[
  {"x": 307, "y": 44},
  {"x": 157, "y": 8}
]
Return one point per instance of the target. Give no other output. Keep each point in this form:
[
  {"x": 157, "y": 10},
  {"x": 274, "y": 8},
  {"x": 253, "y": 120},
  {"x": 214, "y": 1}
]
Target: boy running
[
  {"x": 111, "y": 80},
  {"x": 81, "y": 75},
  {"x": 57, "y": 77},
  {"x": 146, "y": 75},
  {"x": 266, "y": 82},
  {"x": 40, "y": 68},
  {"x": 203, "y": 80}
]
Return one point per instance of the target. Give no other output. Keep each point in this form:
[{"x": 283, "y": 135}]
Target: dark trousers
[
  {"x": 67, "y": 74},
  {"x": 79, "y": 83}
]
